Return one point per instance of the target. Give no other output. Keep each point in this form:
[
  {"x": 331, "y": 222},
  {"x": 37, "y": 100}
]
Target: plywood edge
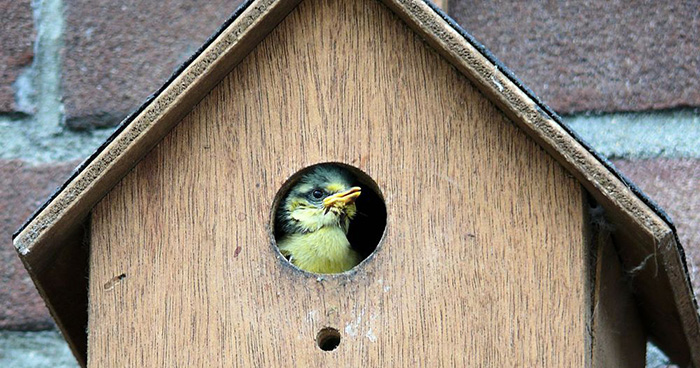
[
  {"x": 47, "y": 234},
  {"x": 682, "y": 292},
  {"x": 605, "y": 186},
  {"x": 71, "y": 205},
  {"x": 527, "y": 114}
]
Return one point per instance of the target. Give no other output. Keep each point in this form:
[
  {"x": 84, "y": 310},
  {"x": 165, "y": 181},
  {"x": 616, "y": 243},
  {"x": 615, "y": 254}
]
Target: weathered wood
[
  {"x": 619, "y": 339},
  {"x": 483, "y": 262}
]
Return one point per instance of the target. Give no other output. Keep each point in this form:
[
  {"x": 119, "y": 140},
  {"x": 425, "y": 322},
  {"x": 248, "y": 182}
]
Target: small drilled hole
[{"x": 328, "y": 339}]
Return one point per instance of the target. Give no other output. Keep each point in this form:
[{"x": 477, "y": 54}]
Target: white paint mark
[
  {"x": 370, "y": 335},
  {"x": 311, "y": 316},
  {"x": 353, "y": 328},
  {"x": 497, "y": 83}
]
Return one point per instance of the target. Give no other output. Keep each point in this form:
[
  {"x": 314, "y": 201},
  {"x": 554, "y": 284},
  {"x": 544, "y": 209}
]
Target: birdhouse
[{"x": 486, "y": 232}]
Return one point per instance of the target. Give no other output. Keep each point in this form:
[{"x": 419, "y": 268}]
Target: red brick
[
  {"x": 23, "y": 189},
  {"x": 674, "y": 184},
  {"x": 594, "y": 55},
  {"x": 577, "y": 55},
  {"x": 16, "y": 50},
  {"x": 117, "y": 53}
]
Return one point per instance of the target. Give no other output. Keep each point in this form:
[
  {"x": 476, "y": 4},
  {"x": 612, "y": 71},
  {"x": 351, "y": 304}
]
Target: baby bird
[{"x": 314, "y": 219}]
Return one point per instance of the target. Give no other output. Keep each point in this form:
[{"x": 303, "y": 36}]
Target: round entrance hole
[
  {"x": 328, "y": 339},
  {"x": 328, "y": 218}
]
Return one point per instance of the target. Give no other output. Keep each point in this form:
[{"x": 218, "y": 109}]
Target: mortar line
[
  {"x": 42, "y": 137},
  {"x": 641, "y": 135},
  {"x": 48, "y": 17}
]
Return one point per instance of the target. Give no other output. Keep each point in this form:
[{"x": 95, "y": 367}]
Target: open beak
[{"x": 341, "y": 199}]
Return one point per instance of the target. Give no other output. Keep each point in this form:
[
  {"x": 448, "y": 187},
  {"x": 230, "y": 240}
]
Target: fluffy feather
[{"x": 313, "y": 236}]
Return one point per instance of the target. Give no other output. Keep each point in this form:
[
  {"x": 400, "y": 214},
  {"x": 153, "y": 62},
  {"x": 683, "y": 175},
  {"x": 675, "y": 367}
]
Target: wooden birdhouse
[{"x": 492, "y": 235}]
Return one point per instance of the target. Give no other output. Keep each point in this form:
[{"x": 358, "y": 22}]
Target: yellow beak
[{"x": 342, "y": 199}]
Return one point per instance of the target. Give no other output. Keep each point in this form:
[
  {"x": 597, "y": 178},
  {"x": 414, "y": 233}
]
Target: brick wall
[{"x": 625, "y": 77}]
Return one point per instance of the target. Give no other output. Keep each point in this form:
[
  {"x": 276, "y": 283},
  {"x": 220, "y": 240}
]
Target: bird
[{"x": 314, "y": 218}]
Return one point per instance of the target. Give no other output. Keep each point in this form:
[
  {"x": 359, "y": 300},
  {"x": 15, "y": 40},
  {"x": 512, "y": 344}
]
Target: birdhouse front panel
[{"x": 484, "y": 258}]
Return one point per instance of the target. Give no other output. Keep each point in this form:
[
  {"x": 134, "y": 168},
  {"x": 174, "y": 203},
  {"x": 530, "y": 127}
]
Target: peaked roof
[{"x": 54, "y": 234}]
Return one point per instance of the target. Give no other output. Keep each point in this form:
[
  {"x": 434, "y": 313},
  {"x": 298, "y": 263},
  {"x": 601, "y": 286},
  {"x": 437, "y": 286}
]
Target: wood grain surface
[
  {"x": 619, "y": 337},
  {"x": 48, "y": 243},
  {"x": 664, "y": 292},
  {"x": 483, "y": 261}
]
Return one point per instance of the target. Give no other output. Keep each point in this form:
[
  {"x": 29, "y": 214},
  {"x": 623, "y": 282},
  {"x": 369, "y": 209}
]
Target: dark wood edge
[{"x": 64, "y": 290}]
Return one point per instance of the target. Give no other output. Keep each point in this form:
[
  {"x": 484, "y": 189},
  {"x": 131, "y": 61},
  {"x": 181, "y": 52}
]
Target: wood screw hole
[
  {"x": 114, "y": 281},
  {"x": 328, "y": 339}
]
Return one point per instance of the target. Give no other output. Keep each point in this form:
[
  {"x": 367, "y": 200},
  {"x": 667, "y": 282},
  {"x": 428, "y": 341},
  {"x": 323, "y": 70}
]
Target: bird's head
[{"x": 322, "y": 197}]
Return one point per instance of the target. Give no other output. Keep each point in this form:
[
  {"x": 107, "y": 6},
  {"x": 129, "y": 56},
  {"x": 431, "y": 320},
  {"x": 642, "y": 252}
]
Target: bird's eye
[{"x": 317, "y": 193}]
